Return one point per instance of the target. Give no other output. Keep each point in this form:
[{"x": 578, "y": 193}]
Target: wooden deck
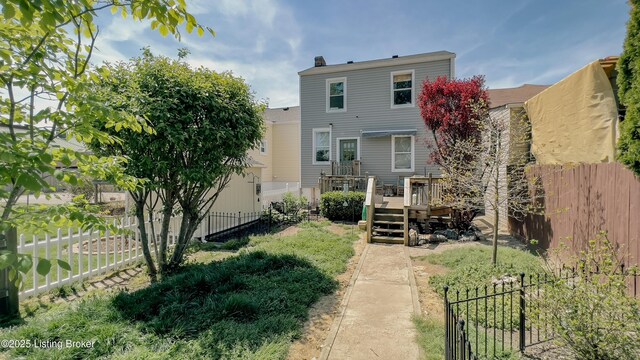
[
  {"x": 391, "y": 202},
  {"x": 390, "y": 218}
]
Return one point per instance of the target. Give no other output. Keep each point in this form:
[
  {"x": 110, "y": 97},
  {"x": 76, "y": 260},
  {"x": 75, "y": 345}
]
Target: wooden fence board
[{"x": 581, "y": 201}]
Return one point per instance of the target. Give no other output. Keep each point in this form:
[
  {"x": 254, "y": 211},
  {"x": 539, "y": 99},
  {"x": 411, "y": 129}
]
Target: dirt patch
[
  {"x": 431, "y": 304},
  {"x": 323, "y": 312},
  {"x": 291, "y": 230},
  {"x": 337, "y": 229}
]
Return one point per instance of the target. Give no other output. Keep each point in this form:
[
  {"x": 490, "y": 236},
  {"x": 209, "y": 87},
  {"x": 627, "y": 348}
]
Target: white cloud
[
  {"x": 266, "y": 9},
  {"x": 275, "y": 81},
  {"x": 258, "y": 40}
]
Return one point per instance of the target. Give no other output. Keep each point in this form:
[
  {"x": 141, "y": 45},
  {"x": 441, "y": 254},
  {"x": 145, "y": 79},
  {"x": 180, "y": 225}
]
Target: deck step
[
  {"x": 387, "y": 239},
  {"x": 391, "y": 231},
  {"x": 398, "y": 217},
  {"x": 388, "y": 211},
  {"x": 387, "y": 222}
]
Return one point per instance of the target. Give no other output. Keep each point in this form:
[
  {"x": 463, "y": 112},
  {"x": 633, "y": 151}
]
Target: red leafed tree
[{"x": 455, "y": 111}]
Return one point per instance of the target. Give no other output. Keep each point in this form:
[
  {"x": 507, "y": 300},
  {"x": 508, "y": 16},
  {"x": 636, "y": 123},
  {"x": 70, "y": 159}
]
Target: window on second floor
[
  {"x": 263, "y": 147},
  {"x": 336, "y": 94},
  {"x": 402, "y": 88}
]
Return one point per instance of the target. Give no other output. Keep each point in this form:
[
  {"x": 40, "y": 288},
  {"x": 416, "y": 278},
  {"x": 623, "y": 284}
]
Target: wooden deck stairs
[
  {"x": 388, "y": 226},
  {"x": 388, "y": 219}
]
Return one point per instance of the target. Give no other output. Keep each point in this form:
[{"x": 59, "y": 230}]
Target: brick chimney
[{"x": 319, "y": 61}]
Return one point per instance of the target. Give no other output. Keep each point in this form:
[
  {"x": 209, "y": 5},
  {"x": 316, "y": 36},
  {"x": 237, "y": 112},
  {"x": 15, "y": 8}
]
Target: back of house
[{"x": 362, "y": 118}]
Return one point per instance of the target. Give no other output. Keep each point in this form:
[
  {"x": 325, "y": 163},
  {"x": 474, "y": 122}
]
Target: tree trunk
[
  {"x": 164, "y": 233},
  {"x": 144, "y": 239},
  {"x": 9, "y": 301},
  {"x": 494, "y": 253},
  {"x": 188, "y": 227},
  {"x": 176, "y": 257}
]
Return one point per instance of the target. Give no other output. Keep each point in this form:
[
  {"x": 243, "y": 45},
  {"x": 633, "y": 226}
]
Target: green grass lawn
[
  {"x": 471, "y": 268},
  {"x": 247, "y": 306}
]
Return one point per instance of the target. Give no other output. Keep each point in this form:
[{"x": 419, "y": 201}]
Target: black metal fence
[
  {"x": 224, "y": 226},
  {"x": 495, "y": 321}
]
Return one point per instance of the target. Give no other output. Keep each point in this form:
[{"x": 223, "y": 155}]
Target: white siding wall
[{"x": 240, "y": 194}]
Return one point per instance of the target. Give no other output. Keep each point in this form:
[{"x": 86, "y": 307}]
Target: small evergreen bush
[{"x": 337, "y": 205}]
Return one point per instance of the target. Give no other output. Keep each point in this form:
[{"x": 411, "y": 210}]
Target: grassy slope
[
  {"x": 469, "y": 268},
  {"x": 248, "y": 306}
]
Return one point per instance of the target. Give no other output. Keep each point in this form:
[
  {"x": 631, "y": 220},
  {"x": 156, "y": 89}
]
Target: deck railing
[
  {"x": 351, "y": 168},
  {"x": 338, "y": 182},
  {"x": 423, "y": 190}
]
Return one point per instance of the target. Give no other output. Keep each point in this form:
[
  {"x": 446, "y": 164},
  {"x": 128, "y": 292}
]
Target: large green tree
[
  {"x": 205, "y": 123},
  {"x": 629, "y": 92},
  {"x": 46, "y": 82}
]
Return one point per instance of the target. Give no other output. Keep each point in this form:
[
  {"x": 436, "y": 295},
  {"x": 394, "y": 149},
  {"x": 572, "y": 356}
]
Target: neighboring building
[
  {"x": 274, "y": 165},
  {"x": 362, "y": 118},
  {"x": 576, "y": 119},
  {"x": 279, "y": 149},
  {"x": 507, "y": 106}
]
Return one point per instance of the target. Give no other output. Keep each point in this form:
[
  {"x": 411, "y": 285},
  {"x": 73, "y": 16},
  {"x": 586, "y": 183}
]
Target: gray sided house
[{"x": 366, "y": 113}]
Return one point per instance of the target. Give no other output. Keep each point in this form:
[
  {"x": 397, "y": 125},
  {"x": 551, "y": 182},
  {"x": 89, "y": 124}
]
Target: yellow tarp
[{"x": 574, "y": 121}]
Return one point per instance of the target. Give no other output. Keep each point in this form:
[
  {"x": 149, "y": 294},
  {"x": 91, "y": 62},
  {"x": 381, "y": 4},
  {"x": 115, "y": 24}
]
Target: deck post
[
  {"x": 429, "y": 196},
  {"x": 429, "y": 190},
  {"x": 370, "y": 204},
  {"x": 406, "y": 204}
]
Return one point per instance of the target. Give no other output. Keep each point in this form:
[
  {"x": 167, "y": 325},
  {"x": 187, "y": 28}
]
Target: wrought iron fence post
[
  {"x": 446, "y": 324},
  {"x": 269, "y": 221},
  {"x": 521, "y": 326},
  {"x": 463, "y": 341}
]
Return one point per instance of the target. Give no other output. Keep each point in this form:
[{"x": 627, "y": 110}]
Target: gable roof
[
  {"x": 517, "y": 95},
  {"x": 396, "y": 60}
]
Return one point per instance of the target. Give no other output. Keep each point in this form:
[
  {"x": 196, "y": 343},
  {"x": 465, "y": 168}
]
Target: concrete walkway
[{"x": 375, "y": 318}]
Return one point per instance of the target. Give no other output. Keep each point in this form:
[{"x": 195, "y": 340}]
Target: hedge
[{"x": 332, "y": 205}]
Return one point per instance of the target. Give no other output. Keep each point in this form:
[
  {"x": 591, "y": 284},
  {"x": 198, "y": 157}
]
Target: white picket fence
[{"x": 89, "y": 253}]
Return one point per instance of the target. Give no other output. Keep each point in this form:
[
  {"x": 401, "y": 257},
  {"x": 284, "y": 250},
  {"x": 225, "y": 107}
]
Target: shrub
[
  {"x": 83, "y": 187},
  {"x": 337, "y": 205},
  {"x": 592, "y": 312},
  {"x": 293, "y": 204},
  {"x": 235, "y": 244}
]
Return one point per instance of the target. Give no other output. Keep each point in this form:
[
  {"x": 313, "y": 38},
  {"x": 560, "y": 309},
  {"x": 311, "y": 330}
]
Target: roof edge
[{"x": 369, "y": 64}]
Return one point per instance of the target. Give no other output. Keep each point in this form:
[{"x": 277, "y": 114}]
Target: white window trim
[
  {"x": 393, "y": 153},
  {"x": 266, "y": 149},
  {"x": 347, "y": 138},
  {"x": 331, "y": 81},
  {"x": 413, "y": 88},
  {"x": 313, "y": 146}
]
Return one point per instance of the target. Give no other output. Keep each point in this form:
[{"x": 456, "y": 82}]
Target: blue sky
[{"x": 267, "y": 42}]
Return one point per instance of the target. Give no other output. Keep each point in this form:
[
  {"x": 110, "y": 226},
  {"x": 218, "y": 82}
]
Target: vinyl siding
[
  {"x": 240, "y": 194},
  {"x": 368, "y": 108},
  {"x": 267, "y": 158},
  {"x": 286, "y": 152}
]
